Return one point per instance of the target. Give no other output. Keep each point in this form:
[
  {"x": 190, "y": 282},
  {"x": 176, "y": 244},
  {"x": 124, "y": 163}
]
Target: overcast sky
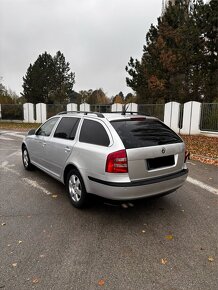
[{"x": 97, "y": 38}]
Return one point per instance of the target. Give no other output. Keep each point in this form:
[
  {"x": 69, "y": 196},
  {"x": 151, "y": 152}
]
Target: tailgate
[
  {"x": 153, "y": 149},
  {"x": 155, "y": 161}
]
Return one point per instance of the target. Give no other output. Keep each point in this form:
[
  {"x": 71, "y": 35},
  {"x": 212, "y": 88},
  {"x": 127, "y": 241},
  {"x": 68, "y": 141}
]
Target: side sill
[{"x": 141, "y": 182}]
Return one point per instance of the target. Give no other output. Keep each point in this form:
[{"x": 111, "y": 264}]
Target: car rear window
[{"x": 143, "y": 132}]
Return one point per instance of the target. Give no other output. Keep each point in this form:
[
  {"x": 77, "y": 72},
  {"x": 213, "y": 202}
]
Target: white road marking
[
  {"x": 16, "y": 134},
  {"x": 6, "y": 139},
  {"x": 202, "y": 185},
  {"x": 189, "y": 162},
  {"x": 17, "y": 153},
  {"x": 5, "y": 166},
  {"x": 4, "y": 163},
  {"x": 8, "y": 149},
  {"x": 34, "y": 184}
]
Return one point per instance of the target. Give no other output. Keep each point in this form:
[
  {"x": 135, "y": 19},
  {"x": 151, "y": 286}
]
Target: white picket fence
[{"x": 190, "y": 121}]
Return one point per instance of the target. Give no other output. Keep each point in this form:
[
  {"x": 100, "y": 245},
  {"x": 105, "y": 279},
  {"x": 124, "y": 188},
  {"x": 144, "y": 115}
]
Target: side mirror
[{"x": 32, "y": 132}]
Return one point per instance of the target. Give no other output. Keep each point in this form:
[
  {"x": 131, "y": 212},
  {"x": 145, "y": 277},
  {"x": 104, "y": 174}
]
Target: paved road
[{"x": 168, "y": 243}]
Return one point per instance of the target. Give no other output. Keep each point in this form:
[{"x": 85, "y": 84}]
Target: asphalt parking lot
[{"x": 169, "y": 243}]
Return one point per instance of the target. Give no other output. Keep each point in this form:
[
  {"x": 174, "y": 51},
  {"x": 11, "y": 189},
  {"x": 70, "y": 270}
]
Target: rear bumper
[{"x": 138, "y": 189}]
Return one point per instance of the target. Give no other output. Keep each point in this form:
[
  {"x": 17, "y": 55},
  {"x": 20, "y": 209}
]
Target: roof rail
[
  {"x": 124, "y": 113},
  {"x": 100, "y": 115},
  {"x": 131, "y": 113}
]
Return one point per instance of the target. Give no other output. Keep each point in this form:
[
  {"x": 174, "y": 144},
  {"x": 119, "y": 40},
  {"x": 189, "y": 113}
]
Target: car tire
[
  {"x": 26, "y": 159},
  {"x": 76, "y": 189}
]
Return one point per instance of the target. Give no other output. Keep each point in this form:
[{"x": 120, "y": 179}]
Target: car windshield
[{"x": 144, "y": 132}]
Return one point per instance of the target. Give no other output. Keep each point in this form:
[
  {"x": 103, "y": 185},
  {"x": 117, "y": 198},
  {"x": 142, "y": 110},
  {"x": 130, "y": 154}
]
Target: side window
[
  {"x": 46, "y": 128},
  {"x": 94, "y": 133},
  {"x": 67, "y": 127}
]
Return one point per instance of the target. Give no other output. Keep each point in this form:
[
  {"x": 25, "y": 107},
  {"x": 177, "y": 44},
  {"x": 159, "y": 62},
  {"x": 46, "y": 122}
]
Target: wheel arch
[{"x": 67, "y": 169}]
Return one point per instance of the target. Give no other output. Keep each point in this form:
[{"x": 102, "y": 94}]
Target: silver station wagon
[{"x": 120, "y": 156}]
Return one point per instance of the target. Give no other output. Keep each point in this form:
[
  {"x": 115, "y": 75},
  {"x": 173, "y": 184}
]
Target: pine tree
[
  {"x": 179, "y": 59},
  {"x": 48, "y": 80},
  {"x": 64, "y": 79},
  {"x": 206, "y": 18}
]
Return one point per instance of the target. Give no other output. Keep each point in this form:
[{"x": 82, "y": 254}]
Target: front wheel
[
  {"x": 26, "y": 159},
  {"x": 76, "y": 189}
]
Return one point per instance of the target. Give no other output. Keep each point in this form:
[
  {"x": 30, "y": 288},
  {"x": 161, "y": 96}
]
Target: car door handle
[
  {"x": 67, "y": 149},
  {"x": 43, "y": 144}
]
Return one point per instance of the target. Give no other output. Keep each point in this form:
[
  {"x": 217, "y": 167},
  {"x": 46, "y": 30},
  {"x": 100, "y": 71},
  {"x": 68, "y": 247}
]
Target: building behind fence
[{"x": 188, "y": 118}]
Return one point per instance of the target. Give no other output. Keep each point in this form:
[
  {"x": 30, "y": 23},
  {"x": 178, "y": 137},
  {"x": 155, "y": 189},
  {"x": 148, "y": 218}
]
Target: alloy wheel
[
  {"x": 25, "y": 158},
  {"x": 75, "y": 188}
]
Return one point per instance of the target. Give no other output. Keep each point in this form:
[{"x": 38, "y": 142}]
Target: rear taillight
[{"x": 117, "y": 162}]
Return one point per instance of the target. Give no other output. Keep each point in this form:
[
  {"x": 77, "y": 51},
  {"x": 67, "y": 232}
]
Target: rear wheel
[
  {"x": 76, "y": 189},
  {"x": 26, "y": 159}
]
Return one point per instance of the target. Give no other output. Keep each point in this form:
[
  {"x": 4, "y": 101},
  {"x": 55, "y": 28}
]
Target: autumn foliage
[
  {"x": 179, "y": 60},
  {"x": 202, "y": 148}
]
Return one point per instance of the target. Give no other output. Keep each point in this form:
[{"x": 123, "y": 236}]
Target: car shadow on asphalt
[
  {"x": 98, "y": 205},
  {"x": 158, "y": 206}
]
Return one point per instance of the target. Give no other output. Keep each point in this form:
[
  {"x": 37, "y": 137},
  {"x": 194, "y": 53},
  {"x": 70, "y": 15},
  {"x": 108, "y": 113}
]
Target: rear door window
[
  {"x": 143, "y": 132},
  {"x": 67, "y": 128},
  {"x": 94, "y": 133}
]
